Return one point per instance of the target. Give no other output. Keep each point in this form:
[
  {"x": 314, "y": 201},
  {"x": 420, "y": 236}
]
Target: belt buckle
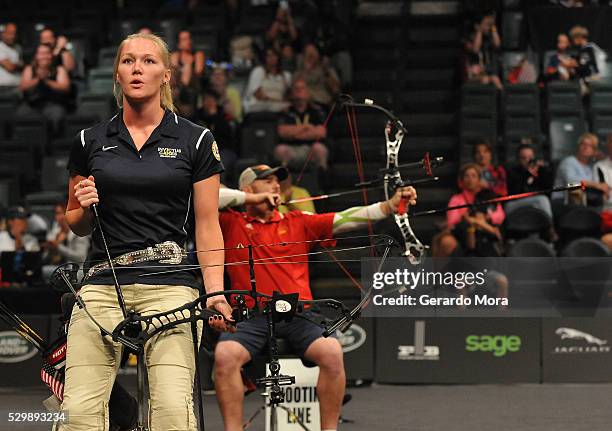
[{"x": 171, "y": 251}]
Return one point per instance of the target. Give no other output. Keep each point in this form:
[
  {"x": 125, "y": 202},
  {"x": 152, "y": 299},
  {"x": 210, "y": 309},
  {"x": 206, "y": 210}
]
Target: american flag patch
[{"x": 54, "y": 379}]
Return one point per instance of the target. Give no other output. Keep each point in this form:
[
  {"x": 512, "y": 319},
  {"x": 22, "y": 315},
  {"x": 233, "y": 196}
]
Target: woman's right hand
[{"x": 86, "y": 193}]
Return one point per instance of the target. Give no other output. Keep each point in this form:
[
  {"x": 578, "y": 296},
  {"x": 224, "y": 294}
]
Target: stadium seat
[
  {"x": 76, "y": 122},
  {"x": 518, "y": 124},
  {"x": 169, "y": 30},
  {"x": 32, "y": 129},
  {"x": 563, "y": 97},
  {"x": 96, "y": 104},
  {"x": 10, "y": 191},
  {"x": 563, "y": 133},
  {"x": 602, "y": 124},
  {"x": 22, "y": 157},
  {"x": 511, "y": 4},
  {"x": 512, "y": 30},
  {"x": 601, "y": 96},
  {"x": 579, "y": 221},
  {"x": 478, "y": 98},
  {"x": 124, "y": 27},
  {"x": 526, "y": 221},
  {"x": 477, "y": 125},
  {"x": 54, "y": 176},
  {"x": 205, "y": 40},
  {"x": 522, "y": 99},
  {"x": 530, "y": 247},
  {"x": 8, "y": 104},
  {"x": 100, "y": 81},
  {"x": 106, "y": 57},
  {"x": 585, "y": 247},
  {"x": 258, "y": 139}
]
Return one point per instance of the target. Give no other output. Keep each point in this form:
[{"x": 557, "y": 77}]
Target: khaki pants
[{"x": 92, "y": 360}]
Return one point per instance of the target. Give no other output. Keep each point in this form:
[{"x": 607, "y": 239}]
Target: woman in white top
[{"x": 268, "y": 86}]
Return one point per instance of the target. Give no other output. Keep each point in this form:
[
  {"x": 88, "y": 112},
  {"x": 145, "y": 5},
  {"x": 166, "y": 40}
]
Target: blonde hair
[
  {"x": 466, "y": 167},
  {"x": 166, "y": 91},
  {"x": 590, "y": 136},
  {"x": 579, "y": 31}
]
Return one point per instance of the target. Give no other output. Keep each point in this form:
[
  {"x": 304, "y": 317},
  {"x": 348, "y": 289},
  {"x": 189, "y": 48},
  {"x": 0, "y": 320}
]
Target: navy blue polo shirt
[{"x": 145, "y": 196}]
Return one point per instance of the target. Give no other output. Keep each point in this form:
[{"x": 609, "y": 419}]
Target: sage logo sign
[
  {"x": 14, "y": 349},
  {"x": 579, "y": 342},
  {"x": 497, "y": 345},
  {"x": 352, "y": 339}
]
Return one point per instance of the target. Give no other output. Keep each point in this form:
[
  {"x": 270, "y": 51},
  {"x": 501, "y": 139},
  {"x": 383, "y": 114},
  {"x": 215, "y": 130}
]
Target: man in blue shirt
[{"x": 579, "y": 168}]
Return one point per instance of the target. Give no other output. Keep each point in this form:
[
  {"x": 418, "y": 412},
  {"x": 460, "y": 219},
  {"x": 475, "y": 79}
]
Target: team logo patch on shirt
[
  {"x": 215, "y": 151},
  {"x": 168, "y": 153}
]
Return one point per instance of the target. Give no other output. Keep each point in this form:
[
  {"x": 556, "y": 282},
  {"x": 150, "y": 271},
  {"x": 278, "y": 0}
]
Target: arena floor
[{"x": 530, "y": 407}]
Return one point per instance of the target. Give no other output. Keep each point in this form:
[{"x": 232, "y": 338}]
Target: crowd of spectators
[
  {"x": 576, "y": 57},
  {"x": 479, "y": 229},
  {"x": 287, "y": 71},
  {"x": 293, "y": 70}
]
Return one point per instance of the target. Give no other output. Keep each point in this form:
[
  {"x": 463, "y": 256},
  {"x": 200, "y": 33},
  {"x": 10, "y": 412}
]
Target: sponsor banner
[
  {"x": 448, "y": 350},
  {"x": 488, "y": 287},
  {"x": 358, "y": 341},
  {"x": 301, "y": 400},
  {"x": 20, "y": 362},
  {"x": 577, "y": 350},
  {"x": 358, "y": 347}
]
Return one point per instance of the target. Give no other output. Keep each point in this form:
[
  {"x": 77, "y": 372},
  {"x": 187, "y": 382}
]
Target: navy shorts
[{"x": 252, "y": 334}]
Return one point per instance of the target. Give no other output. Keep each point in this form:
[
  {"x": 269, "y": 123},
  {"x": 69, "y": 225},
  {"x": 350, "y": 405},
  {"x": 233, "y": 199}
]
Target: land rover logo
[
  {"x": 352, "y": 339},
  {"x": 13, "y": 348}
]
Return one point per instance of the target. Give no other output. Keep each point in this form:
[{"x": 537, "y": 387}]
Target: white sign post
[{"x": 300, "y": 399}]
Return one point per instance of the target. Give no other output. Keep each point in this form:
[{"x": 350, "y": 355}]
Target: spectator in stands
[
  {"x": 10, "y": 59},
  {"x": 290, "y": 191},
  {"x": 470, "y": 231},
  {"x": 229, "y": 96},
  {"x": 322, "y": 80},
  {"x": 585, "y": 57},
  {"x": 62, "y": 245},
  {"x": 15, "y": 237},
  {"x": 602, "y": 171},
  {"x": 212, "y": 116},
  {"x": 59, "y": 47},
  {"x": 268, "y": 85},
  {"x": 492, "y": 177},
  {"x": 188, "y": 65},
  {"x": 301, "y": 130},
  {"x": 283, "y": 35},
  {"x": 527, "y": 175},
  {"x": 483, "y": 52},
  {"x": 332, "y": 31},
  {"x": 45, "y": 88},
  {"x": 579, "y": 168},
  {"x": 562, "y": 65}
]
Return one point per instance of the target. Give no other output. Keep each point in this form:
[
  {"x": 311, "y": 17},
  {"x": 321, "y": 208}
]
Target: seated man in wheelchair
[{"x": 284, "y": 269}]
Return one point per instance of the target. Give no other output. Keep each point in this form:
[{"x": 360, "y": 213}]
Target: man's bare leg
[
  {"x": 230, "y": 356},
  {"x": 327, "y": 354}
]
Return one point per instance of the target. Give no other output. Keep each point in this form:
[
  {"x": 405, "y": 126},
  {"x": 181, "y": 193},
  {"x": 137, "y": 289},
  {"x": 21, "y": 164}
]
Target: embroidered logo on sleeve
[
  {"x": 168, "y": 153},
  {"x": 215, "y": 151}
]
